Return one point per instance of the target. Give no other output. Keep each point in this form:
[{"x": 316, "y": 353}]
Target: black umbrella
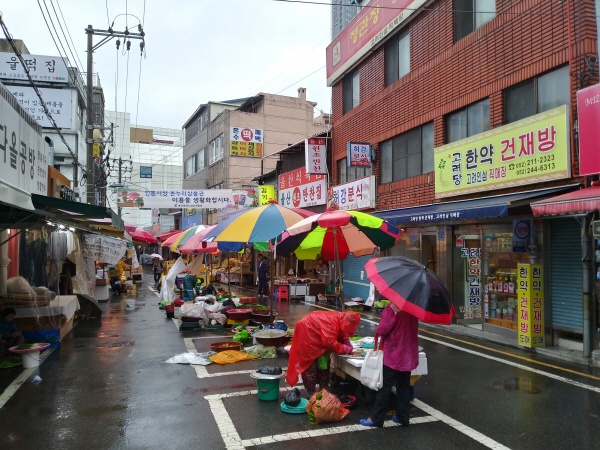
[{"x": 412, "y": 288}]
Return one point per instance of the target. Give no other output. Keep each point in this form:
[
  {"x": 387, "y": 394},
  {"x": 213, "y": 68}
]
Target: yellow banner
[
  {"x": 531, "y": 305},
  {"x": 241, "y": 148},
  {"x": 532, "y": 150},
  {"x": 267, "y": 193}
]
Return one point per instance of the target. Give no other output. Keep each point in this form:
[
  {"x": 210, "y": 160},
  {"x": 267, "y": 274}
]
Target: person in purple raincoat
[{"x": 398, "y": 329}]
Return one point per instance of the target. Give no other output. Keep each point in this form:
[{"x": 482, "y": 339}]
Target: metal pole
[
  {"x": 120, "y": 182},
  {"x": 337, "y": 268},
  {"x": 588, "y": 254},
  {"x": 91, "y": 192}
]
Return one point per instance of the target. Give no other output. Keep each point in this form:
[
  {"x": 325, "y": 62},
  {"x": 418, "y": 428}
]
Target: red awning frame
[{"x": 582, "y": 201}]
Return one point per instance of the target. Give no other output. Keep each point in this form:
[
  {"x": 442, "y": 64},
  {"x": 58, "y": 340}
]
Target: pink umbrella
[
  {"x": 139, "y": 234},
  {"x": 195, "y": 244}
]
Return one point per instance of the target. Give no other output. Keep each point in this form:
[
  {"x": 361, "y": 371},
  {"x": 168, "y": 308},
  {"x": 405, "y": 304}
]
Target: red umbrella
[
  {"x": 130, "y": 227},
  {"x": 195, "y": 244},
  {"x": 167, "y": 234},
  {"x": 139, "y": 234}
]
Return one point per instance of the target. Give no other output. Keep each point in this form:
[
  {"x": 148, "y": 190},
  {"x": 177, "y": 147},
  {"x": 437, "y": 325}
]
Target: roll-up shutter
[
  {"x": 566, "y": 278},
  {"x": 353, "y": 285}
]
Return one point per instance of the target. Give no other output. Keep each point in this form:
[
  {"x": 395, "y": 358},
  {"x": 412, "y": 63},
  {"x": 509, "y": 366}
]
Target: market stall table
[{"x": 56, "y": 319}]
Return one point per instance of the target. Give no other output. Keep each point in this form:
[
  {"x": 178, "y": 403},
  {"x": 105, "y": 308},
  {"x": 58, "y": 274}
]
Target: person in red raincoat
[{"x": 315, "y": 335}]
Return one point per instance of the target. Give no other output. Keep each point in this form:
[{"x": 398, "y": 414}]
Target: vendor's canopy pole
[
  {"x": 337, "y": 269},
  {"x": 271, "y": 286}
]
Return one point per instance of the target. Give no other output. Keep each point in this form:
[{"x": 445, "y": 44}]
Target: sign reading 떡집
[
  {"x": 51, "y": 69},
  {"x": 297, "y": 189},
  {"x": 246, "y": 142},
  {"x": 532, "y": 150},
  {"x": 359, "y": 154},
  {"x": 358, "y": 194},
  {"x": 530, "y": 292},
  {"x": 316, "y": 156}
]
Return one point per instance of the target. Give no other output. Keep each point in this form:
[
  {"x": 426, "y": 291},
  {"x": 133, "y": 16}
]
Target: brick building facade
[{"x": 440, "y": 67}]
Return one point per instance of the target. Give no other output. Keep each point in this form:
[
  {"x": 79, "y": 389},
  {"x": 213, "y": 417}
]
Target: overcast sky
[{"x": 196, "y": 50}]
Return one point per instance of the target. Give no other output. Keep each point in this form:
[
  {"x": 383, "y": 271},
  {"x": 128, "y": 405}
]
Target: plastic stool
[{"x": 282, "y": 292}]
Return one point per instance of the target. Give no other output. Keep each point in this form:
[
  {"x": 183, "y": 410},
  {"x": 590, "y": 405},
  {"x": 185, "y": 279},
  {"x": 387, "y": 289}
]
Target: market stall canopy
[
  {"x": 487, "y": 207},
  {"x": 167, "y": 234},
  {"x": 141, "y": 235},
  {"x": 92, "y": 218},
  {"x": 196, "y": 245},
  {"x": 582, "y": 201}
]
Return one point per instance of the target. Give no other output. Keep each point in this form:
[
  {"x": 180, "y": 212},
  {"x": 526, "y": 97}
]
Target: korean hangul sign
[
  {"x": 530, "y": 290},
  {"x": 358, "y": 194},
  {"x": 266, "y": 193},
  {"x": 210, "y": 198},
  {"x": 367, "y": 30},
  {"x": 51, "y": 69},
  {"x": 23, "y": 157},
  {"x": 359, "y": 154},
  {"x": 103, "y": 248},
  {"x": 297, "y": 189},
  {"x": 316, "y": 155},
  {"x": 532, "y": 150},
  {"x": 473, "y": 292},
  {"x": 246, "y": 142},
  {"x": 58, "y": 101}
]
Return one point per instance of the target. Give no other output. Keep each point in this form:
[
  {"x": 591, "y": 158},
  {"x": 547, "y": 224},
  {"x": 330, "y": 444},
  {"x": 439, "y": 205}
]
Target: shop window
[
  {"x": 145, "y": 171},
  {"x": 347, "y": 174},
  {"x": 469, "y": 121},
  {"x": 470, "y": 15},
  {"x": 407, "y": 155},
  {"x": 351, "y": 86},
  {"x": 397, "y": 58},
  {"x": 537, "y": 95}
]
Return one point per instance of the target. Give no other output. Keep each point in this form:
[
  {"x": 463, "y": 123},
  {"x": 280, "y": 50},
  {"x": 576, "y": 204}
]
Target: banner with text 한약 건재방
[{"x": 531, "y": 150}]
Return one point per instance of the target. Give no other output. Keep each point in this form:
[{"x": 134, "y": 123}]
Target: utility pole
[
  {"x": 108, "y": 35},
  {"x": 120, "y": 184}
]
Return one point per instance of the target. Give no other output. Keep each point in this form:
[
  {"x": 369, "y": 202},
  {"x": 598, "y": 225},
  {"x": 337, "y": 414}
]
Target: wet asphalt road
[{"x": 107, "y": 387}]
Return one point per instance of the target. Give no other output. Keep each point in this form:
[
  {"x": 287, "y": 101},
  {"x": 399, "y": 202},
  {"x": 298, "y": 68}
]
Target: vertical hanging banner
[
  {"x": 531, "y": 305},
  {"x": 316, "y": 156}
]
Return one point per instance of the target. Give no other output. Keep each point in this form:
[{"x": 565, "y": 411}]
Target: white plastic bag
[{"x": 371, "y": 372}]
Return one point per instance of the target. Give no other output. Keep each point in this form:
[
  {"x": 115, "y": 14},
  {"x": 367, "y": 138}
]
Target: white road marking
[
  {"x": 514, "y": 364},
  {"x": 16, "y": 384},
  {"x": 464, "y": 429},
  {"x": 233, "y": 441}
]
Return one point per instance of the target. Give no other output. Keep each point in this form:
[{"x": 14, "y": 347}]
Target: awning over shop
[
  {"x": 581, "y": 201},
  {"x": 480, "y": 208},
  {"x": 88, "y": 217}
]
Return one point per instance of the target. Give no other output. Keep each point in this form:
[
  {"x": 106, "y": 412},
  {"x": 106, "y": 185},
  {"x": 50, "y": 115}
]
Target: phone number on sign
[{"x": 538, "y": 168}]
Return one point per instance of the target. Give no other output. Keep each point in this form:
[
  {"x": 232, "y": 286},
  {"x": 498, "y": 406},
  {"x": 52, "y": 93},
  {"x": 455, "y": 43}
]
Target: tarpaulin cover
[{"x": 315, "y": 334}]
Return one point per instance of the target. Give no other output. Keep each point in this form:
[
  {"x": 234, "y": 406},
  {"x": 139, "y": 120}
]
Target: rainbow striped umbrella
[
  {"x": 184, "y": 236},
  {"x": 253, "y": 226}
]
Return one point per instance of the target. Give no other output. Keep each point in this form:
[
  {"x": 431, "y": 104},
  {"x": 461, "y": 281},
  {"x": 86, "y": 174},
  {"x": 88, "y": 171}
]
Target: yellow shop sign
[{"x": 532, "y": 150}]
